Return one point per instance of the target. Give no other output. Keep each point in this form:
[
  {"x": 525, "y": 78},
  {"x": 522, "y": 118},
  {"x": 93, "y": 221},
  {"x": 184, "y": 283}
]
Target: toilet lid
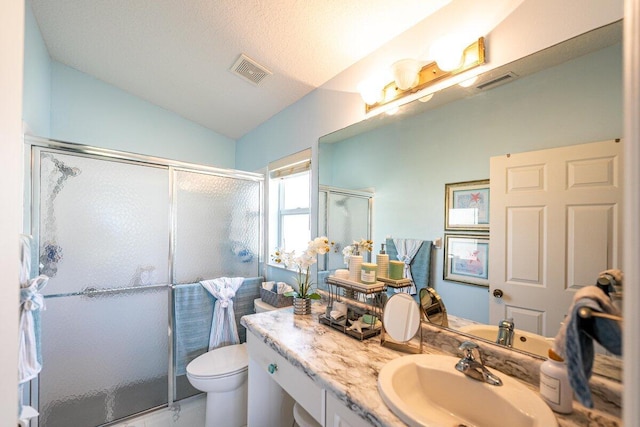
[{"x": 221, "y": 361}]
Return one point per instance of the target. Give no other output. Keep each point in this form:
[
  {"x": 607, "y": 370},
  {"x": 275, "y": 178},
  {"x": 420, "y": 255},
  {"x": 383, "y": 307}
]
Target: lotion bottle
[
  {"x": 382, "y": 259},
  {"x": 554, "y": 384},
  {"x": 355, "y": 265}
]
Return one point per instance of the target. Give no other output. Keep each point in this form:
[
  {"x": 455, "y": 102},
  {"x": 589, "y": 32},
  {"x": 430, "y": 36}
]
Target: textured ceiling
[{"x": 177, "y": 53}]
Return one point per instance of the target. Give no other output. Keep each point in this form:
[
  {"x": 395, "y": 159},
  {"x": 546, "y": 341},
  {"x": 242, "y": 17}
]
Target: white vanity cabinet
[
  {"x": 338, "y": 415},
  {"x": 270, "y": 374}
]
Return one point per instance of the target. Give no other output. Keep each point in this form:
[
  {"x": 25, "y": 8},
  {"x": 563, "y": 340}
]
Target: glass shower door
[
  {"x": 216, "y": 234},
  {"x": 344, "y": 217},
  {"x": 103, "y": 233}
]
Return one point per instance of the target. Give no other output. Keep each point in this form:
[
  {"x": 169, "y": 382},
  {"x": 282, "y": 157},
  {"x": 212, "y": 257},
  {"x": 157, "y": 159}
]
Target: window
[
  {"x": 289, "y": 203},
  {"x": 293, "y": 212}
]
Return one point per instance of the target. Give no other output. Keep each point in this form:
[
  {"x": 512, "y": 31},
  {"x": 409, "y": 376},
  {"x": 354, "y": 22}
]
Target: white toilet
[
  {"x": 222, "y": 374},
  {"x": 260, "y": 306}
]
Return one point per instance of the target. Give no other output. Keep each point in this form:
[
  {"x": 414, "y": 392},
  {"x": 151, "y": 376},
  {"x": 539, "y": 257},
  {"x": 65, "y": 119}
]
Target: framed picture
[
  {"x": 466, "y": 259},
  {"x": 466, "y": 206}
]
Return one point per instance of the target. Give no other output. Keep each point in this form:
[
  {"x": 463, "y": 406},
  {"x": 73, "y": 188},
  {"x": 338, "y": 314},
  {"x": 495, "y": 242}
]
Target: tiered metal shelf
[
  {"x": 362, "y": 299},
  {"x": 396, "y": 284}
]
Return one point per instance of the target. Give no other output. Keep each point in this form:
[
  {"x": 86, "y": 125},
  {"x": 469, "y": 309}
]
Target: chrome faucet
[
  {"x": 474, "y": 368},
  {"x": 505, "y": 333}
]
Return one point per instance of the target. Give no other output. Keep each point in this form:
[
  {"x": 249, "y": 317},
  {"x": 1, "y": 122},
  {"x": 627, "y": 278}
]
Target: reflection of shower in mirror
[{"x": 346, "y": 216}]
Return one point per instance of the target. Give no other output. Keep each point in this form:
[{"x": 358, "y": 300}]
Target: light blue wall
[
  {"x": 298, "y": 127},
  {"x": 37, "y": 79},
  {"x": 294, "y": 129},
  {"x": 68, "y": 105},
  {"x": 89, "y": 111},
  {"x": 409, "y": 162}
]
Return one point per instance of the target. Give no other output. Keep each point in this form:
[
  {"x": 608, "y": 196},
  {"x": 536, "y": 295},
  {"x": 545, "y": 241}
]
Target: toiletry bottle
[
  {"x": 382, "y": 259},
  {"x": 554, "y": 384},
  {"x": 355, "y": 264}
]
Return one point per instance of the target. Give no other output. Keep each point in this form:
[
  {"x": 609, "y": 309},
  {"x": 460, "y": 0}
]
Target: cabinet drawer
[{"x": 300, "y": 387}]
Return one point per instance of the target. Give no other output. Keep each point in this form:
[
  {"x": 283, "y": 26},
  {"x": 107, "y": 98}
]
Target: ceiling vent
[
  {"x": 498, "y": 81},
  {"x": 249, "y": 70}
]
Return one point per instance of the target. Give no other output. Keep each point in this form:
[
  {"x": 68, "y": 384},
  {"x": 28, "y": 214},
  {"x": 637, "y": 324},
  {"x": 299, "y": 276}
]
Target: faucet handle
[
  {"x": 507, "y": 323},
  {"x": 467, "y": 347}
]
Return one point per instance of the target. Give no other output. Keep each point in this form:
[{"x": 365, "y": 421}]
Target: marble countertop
[{"x": 348, "y": 368}]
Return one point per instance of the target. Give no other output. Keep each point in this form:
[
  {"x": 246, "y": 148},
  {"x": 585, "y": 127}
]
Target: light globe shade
[
  {"x": 447, "y": 52},
  {"x": 370, "y": 91},
  {"x": 468, "y": 82},
  {"x": 426, "y": 98},
  {"x": 406, "y": 73}
]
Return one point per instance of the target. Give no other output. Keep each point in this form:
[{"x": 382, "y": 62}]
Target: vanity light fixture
[
  {"x": 406, "y": 73},
  {"x": 411, "y": 76}
]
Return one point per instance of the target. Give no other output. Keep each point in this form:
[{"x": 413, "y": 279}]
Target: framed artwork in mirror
[
  {"x": 466, "y": 259},
  {"x": 466, "y": 206}
]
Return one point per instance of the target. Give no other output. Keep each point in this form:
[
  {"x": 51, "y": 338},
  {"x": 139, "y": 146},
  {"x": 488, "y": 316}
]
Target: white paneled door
[{"x": 555, "y": 224}]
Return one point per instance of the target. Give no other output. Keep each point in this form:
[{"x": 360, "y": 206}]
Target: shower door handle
[{"x": 91, "y": 292}]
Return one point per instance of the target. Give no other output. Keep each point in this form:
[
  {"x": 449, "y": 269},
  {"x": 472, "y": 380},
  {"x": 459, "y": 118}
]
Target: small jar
[
  {"x": 554, "y": 384},
  {"x": 368, "y": 273}
]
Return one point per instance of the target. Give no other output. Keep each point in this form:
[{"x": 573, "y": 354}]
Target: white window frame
[{"x": 295, "y": 164}]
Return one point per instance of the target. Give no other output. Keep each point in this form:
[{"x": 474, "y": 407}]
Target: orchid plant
[
  {"x": 362, "y": 245},
  {"x": 302, "y": 263}
]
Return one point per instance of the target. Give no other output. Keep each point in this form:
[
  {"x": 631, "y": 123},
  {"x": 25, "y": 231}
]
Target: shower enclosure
[
  {"x": 117, "y": 233},
  {"x": 343, "y": 216}
]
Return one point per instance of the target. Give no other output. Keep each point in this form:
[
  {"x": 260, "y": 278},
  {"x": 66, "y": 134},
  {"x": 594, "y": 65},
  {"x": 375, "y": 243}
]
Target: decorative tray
[
  {"x": 365, "y": 334},
  {"x": 357, "y": 286},
  {"x": 395, "y": 283}
]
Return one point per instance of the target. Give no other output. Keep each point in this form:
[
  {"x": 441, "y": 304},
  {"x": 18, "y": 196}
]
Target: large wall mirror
[{"x": 566, "y": 95}]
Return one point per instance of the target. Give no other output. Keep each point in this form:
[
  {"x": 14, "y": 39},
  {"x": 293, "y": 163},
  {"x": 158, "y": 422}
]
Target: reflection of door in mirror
[
  {"x": 555, "y": 225},
  {"x": 344, "y": 216}
]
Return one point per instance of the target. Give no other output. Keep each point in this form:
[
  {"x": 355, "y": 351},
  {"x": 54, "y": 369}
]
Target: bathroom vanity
[{"x": 331, "y": 375}]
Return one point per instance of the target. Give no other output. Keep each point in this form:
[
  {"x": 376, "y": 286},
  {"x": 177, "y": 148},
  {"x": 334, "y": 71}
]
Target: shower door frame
[
  {"x": 35, "y": 145},
  {"x": 345, "y": 192}
]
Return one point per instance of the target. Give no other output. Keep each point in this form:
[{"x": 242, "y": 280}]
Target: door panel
[
  {"x": 555, "y": 224},
  {"x": 103, "y": 241}
]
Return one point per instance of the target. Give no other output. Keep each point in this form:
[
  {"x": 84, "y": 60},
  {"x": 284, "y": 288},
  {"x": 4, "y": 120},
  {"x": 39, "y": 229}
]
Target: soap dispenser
[
  {"x": 554, "y": 384},
  {"x": 355, "y": 264},
  {"x": 382, "y": 259}
]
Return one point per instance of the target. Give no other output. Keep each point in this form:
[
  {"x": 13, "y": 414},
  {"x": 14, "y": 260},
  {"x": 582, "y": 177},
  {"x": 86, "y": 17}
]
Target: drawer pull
[{"x": 272, "y": 368}]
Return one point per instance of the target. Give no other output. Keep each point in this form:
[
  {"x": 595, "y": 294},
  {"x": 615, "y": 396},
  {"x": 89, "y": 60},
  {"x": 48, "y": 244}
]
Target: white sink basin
[
  {"x": 427, "y": 390},
  {"x": 522, "y": 340}
]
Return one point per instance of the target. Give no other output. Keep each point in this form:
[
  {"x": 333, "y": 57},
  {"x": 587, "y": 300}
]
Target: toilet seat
[{"x": 220, "y": 362}]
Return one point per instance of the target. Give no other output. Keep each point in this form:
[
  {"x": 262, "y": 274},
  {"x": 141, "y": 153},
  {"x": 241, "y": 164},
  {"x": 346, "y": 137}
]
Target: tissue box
[{"x": 275, "y": 299}]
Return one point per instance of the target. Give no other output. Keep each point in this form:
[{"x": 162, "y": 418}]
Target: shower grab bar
[{"x": 93, "y": 292}]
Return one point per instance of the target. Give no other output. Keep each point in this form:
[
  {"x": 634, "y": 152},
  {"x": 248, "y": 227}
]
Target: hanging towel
[
  {"x": 31, "y": 302},
  {"x": 574, "y": 341},
  {"x": 407, "y": 250},
  {"x": 193, "y": 307},
  {"x": 223, "y": 327}
]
